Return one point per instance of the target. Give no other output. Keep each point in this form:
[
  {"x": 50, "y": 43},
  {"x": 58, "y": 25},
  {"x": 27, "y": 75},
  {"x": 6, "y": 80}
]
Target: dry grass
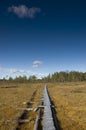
[
  {"x": 70, "y": 102},
  {"x": 13, "y": 97}
]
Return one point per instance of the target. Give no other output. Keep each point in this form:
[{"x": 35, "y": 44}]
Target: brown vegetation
[
  {"x": 12, "y": 98},
  {"x": 70, "y": 104},
  {"x": 69, "y": 100}
]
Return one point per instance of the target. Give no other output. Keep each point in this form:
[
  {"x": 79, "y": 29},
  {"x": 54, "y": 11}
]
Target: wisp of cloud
[{"x": 23, "y": 11}]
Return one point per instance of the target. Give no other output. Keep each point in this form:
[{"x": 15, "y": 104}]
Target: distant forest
[{"x": 72, "y": 76}]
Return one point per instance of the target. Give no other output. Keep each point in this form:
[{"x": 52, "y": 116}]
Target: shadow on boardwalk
[{"x": 55, "y": 118}]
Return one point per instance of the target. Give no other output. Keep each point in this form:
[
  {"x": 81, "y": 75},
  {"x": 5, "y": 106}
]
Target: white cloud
[
  {"x": 37, "y": 63},
  {"x": 23, "y": 11},
  {"x": 13, "y": 71},
  {"x": 41, "y": 75},
  {"x": 0, "y": 68},
  {"x": 38, "y": 75}
]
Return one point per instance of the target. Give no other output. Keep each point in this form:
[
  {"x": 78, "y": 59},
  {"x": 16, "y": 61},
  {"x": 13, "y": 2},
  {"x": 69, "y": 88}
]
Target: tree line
[
  {"x": 73, "y": 76},
  {"x": 63, "y": 76}
]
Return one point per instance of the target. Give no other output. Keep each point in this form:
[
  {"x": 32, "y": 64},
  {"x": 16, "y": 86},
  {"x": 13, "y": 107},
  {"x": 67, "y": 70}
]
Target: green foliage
[
  {"x": 21, "y": 79},
  {"x": 32, "y": 78},
  {"x": 63, "y": 76},
  {"x": 73, "y": 76}
]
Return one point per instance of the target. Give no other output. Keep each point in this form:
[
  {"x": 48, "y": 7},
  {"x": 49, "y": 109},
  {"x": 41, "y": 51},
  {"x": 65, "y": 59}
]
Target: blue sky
[{"x": 41, "y": 37}]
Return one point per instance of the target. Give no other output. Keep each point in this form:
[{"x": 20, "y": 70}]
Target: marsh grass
[
  {"x": 12, "y": 98},
  {"x": 70, "y": 102}
]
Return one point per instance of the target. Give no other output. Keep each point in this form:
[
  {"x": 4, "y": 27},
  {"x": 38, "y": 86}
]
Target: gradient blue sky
[{"x": 42, "y": 36}]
